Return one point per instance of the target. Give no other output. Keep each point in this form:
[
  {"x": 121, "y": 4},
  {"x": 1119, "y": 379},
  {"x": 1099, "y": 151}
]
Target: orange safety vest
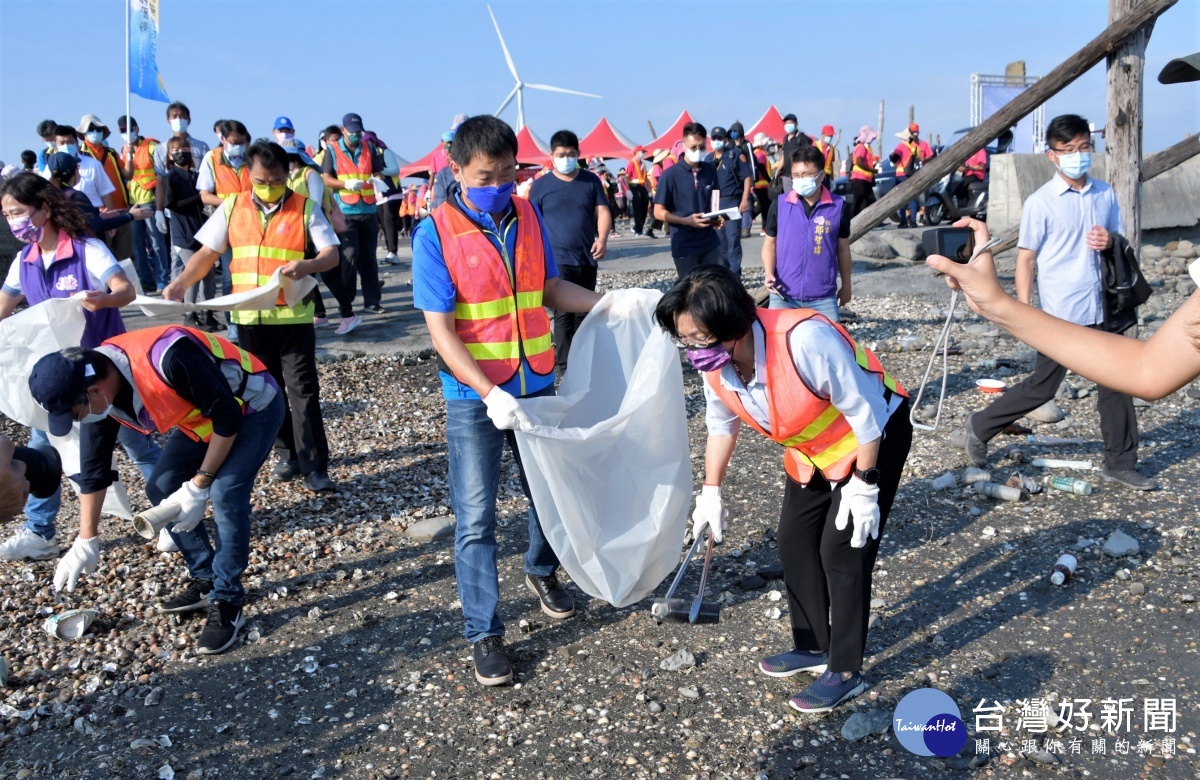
[
  {"x": 167, "y": 409},
  {"x": 348, "y": 169},
  {"x": 498, "y": 313},
  {"x": 858, "y": 171},
  {"x": 260, "y": 246},
  {"x": 228, "y": 180},
  {"x": 108, "y": 158},
  {"x": 908, "y": 153},
  {"x": 143, "y": 169},
  {"x": 828, "y": 152},
  {"x": 815, "y": 433}
]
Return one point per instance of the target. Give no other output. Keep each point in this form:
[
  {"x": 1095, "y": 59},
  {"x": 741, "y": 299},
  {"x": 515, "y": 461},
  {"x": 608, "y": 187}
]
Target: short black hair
[
  {"x": 217, "y": 125},
  {"x": 231, "y": 126},
  {"x": 694, "y": 128},
  {"x": 482, "y": 136},
  {"x": 809, "y": 154},
  {"x": 28, "y": 158},
  {"x": 269, "y": 155},
  {"x": 565, "y": 139},
  {"x": 66, "y": 131},
  {"x": 46, "y": 127},
  {"x": 1066, "y": 128},
  {"x": 715, "y": 299},
  {"x": 332, "y": 130},
  {"x": 181, "y": 108}
]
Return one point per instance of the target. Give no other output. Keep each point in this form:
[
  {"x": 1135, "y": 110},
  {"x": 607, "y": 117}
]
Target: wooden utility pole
[
  {"x": 879, "y": 130},
  {"x": 1107, "y": 42},
  {"x": 1123, "y": 123},
  {"x": 912, "y": 113}
]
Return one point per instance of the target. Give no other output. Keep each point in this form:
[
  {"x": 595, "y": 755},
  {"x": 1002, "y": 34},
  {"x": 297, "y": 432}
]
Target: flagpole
[{"x": 128, "y": 120}]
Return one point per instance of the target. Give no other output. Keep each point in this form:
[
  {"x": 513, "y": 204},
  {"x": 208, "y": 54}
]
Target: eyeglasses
[
  {"x": 682, "y": 344},
  {"x": 1082, "y": 148}
]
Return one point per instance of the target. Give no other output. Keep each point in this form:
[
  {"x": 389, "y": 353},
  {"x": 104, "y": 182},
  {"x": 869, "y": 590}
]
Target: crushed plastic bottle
[{"x": 1002, "y": 492}]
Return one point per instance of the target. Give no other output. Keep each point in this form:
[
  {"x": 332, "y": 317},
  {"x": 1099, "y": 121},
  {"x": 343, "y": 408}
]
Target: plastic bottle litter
[
  {"x": 1080, "y": 487},
  {"x": 1002, "y": 492},
  {"x": 1051, "y": 463},
  {"x": 1063, "y": 569},
  {"x": 1053, "y": 441},
  {"x": 995, "y": 363},
  {"x": 945, "y": 482},
  {"x": 973, "y": 474}
]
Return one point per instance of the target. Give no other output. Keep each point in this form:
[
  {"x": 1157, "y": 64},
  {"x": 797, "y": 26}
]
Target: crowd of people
[{"x": 489, "y": 259}]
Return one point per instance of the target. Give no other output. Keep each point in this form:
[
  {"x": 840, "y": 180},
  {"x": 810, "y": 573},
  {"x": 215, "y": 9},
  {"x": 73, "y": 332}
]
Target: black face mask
[{"x": 182, "y": 158}]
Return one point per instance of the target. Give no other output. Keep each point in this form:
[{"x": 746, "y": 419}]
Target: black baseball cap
[
  {"x": 791, "y": 117},
  {"x": 352, "y": 123},
  {"x": 718, "y": 132},
  {"x": 58, "y": 382}
]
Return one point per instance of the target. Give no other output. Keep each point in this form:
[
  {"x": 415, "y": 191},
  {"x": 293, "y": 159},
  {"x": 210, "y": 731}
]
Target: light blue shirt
[{"x": 1054, "y": 223}]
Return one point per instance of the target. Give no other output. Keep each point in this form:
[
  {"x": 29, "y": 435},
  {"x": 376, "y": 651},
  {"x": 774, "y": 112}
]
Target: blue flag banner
[{"x": 144, "y": 78}]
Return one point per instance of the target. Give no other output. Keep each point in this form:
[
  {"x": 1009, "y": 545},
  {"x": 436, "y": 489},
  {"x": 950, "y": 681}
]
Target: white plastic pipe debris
[
  {"x": 609, "y": 466},
  {"x": 257, "y": 299}
]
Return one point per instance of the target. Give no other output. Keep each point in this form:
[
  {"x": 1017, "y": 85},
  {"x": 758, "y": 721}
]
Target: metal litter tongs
[{"x": 673, "y": 610}]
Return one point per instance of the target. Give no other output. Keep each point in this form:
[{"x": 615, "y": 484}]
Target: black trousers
[
  {"x": 762, "y": 199},
  {"x": 1118, "y": 421},
  {"x": 639, "y": 200},
  {"x": 389, "y": 220},
  {"x": 358, "y": 245},
  {"x": 566, "y": 322},
  {"x": 290, "y": 354},
  {"x": 864, "y": 195},
  {"x": 828, "y": 581},
  {"x": 685, "y": 264}
]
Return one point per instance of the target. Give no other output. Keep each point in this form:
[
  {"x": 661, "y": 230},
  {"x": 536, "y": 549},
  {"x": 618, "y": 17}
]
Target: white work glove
[
  {"x": 506, "y": 413},
  {"x": 860, "y": 501},
  {"x": 710, "y": 511},
  {"x": 354, "y": 185},
  {"x": 160, "y": 221},
  {"x": 80, "y": 559},
  {"x": 192, "y": 502}
]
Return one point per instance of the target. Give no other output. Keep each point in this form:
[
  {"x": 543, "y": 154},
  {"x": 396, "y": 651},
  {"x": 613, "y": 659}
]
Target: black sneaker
[
  {"x": 1128, "y": 477},
  {"x": 975, "y": 447},
  {"x": 492, "y": 666},
  {"x": 194, "y": 597},
  {"x": 556, "y": 602},
  {"x": 376, "y": 309},
  {"x": 221, "y": 628},
  {"x": 285, "y": 470},
  {"x": 319, "y": 482},
  {"x": 212, "y": 323}
]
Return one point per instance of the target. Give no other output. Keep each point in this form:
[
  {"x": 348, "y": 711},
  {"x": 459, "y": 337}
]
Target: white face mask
[
  {"x": 131, "y": 137},
  {"x": 693, "y": 155},
  {"x": 805, "y": 187},
  {"x": 94, "y": 137},
  {"x": 718, "y": 145},
  {"x": 179, "y": 125},
  {"x": 566, "y": 165},
  {"x": 94, "y": 417}
]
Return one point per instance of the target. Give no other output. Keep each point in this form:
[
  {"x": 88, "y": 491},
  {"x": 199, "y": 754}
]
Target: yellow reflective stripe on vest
[
  {"x": 860, "y": 357},
  {"x": 218, "y": 350},
  {"x": 814, "y": 428},
  {"x": 495, "y": 350},
  {"x": 498, "y": 308}
]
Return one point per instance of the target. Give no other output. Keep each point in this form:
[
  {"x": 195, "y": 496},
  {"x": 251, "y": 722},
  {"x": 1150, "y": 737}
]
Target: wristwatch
[{"x": 870, "y": 476}]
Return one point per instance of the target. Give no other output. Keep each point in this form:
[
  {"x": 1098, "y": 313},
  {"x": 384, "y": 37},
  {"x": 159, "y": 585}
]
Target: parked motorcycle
[{"x": 950, "y": 200}]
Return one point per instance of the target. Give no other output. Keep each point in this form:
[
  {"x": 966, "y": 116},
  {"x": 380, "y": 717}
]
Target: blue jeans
[
  {"x": 40, "y": 513},
  {"x": 476, "y": 446},
  {"x": 151, "y": 257},
  {"x": 826, "y": 306},
  {"x": 731, "y": 244},
  {"x": 909, "y": 213},
  {"x": 230, "y": 496}
]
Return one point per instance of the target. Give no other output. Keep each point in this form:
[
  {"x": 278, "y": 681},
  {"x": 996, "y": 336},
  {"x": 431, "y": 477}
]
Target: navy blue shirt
[
  {"x": 684, "y": 191},
  {"x": 732, "y": 171},
  {"x": 569, "y": 214}
]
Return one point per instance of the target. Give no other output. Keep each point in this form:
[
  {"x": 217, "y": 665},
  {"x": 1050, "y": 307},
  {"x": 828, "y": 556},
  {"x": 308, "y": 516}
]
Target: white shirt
[
  {"x": 93, "y": 181},
  {"x": 825, "y": 361},
  {"x": 101, "y": 266},
  {"x": 316, "y": 185},
  {"x": 214, "y": 234},
  {"x": 1054, "y": 224}
]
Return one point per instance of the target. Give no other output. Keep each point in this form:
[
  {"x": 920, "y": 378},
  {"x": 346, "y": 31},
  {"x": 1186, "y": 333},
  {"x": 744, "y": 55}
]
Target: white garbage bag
[
  {"x": 24, "y": 338},
  {"x": 609, "y": 467}
]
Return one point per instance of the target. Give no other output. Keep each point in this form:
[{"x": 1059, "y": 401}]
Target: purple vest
[
  {"x": 64, "y": 278},
  {"x": 806, "y": 247}
]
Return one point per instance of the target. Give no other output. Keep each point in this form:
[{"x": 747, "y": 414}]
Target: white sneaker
[
  {"x": 165, "y": 542},
  {"x": 349, "y": 324},
  {"x": 26, "y": 544},
  {"x": 391, "y": 259}
]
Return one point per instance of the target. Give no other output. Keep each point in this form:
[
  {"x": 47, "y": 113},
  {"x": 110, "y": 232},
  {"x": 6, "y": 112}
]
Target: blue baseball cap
[
  {"x": 63, "y": 164},
  {"x": 283, "y": 123},
  {"x": 353, "y": 123},
  {"x": 58, "y": 382},
  {"x": 448, "y": 136}
]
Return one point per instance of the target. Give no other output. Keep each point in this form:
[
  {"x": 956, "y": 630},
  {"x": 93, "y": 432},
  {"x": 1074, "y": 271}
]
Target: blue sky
[{"x": 419, "y": 63}]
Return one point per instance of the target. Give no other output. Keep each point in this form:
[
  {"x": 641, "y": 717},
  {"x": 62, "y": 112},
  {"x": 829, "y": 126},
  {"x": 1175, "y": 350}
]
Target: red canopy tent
[
  {"x": 771, "y": 125},
  {"x": 420, "y": 166},
  {"x": 531, "y": 150},
  {"x": 673, "y": 134},
  {"x": 606, "y": 141}
]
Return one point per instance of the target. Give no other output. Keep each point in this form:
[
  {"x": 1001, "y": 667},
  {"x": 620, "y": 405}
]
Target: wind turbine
[{"x": 519, "y": 90}]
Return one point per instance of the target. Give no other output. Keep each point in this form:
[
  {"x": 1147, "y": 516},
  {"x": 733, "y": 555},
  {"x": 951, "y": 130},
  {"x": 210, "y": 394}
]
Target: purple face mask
[
  {"x": 709, "y": 358},
  {"x": 24, "y": 230}
]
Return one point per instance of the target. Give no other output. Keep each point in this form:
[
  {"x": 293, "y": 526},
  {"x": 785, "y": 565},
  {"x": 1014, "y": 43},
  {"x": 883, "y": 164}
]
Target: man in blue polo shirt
[
  {"x": 734, "y": 180},
  {"x": 684, "y": 193},
  {"x": 577, "y": 216},
  {"x": 474, "y": 290}
]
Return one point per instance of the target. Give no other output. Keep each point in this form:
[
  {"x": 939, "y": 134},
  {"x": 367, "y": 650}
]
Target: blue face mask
[
  {"x": 491, "y": 200},
  {"x": 734, "y": 134},
  {"x": 565, "y": 165},
  {"x": 1074, "y": 165},
  {"x": 718, "y": 145},
  {"x": 805, "y": 187},
  {"x": 71, "y": 149}
]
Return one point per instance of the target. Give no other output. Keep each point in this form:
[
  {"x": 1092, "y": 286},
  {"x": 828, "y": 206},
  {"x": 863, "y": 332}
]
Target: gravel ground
[{"x": 354, "y": 664}]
